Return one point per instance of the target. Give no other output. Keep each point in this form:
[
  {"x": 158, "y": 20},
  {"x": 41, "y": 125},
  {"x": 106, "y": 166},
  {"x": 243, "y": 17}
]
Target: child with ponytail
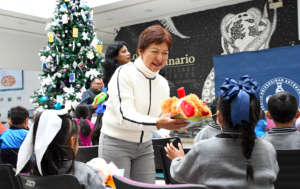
[
  {"x": 53, "y": 140},
  {"x": 236, "y": 158},
  {"x": 82, "y": 113}
]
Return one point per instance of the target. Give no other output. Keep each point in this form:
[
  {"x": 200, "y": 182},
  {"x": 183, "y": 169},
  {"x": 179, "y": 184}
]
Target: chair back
[
  {"x": 289, "y": 169},
  {"x": 8, "y": 178},
  {"x": 166, "y": 166},
  {"x": 86, "y": 153},
  {"x": 157, "y": 142},
  {"x": 124, "y": 183},
  {"x": 49, "y": 182}
]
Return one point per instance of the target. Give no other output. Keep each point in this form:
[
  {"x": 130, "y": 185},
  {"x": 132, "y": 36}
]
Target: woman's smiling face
[{"x": 155, "y": 56}]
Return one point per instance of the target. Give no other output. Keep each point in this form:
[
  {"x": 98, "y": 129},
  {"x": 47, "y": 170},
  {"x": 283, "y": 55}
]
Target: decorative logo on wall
[
  {"x": 276, "y": 85},
  {"x": 7, "y": 81},
  {"x": 246, "y": 31},
  {"x": 12, "y": 81}
]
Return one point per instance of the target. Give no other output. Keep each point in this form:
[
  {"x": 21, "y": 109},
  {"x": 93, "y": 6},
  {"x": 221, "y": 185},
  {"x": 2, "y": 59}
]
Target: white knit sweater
[{"x": 134, "y": 103}]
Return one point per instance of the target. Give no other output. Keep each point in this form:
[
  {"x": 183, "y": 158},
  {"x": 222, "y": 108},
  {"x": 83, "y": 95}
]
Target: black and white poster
[
  {"x": 248, "y": 26},
  {"x": 198, "y": 36}
]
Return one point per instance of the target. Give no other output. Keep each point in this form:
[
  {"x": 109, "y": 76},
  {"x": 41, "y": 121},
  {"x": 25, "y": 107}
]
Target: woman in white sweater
[{"x": 133, "y": 109}]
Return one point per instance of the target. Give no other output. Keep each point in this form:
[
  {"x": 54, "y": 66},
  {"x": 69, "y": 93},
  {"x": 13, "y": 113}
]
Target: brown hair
[{"x": 154, "y": 34}]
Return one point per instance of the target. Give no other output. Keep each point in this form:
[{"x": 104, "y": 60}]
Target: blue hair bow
[
  {"x": 101, "y": 108},
  {"x": 239, "y": 94}
]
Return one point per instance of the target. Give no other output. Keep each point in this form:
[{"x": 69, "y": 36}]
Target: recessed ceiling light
[
  {"x": 109, "y": 18},
  {"x": 148, "y": 10}
]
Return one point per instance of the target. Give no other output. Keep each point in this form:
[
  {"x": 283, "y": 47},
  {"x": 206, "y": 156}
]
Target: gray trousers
[{"x": 136, "y": 158}]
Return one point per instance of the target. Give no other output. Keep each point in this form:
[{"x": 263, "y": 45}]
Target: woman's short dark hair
[
  {"x": 154, "y": 34},
  {"x": 82, "y": 112},
  {"x": 111, "y": 63},
  {"x": 58, "y": 150}
]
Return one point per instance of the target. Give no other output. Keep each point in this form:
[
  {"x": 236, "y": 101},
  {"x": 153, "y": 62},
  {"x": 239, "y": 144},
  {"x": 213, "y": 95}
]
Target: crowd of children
[{"x": 234, "y": 151}]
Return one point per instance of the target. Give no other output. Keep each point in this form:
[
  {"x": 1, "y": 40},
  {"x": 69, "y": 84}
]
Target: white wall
[
  {"x": 20, "y": 51},
  {"x": 31, "y": 83}
]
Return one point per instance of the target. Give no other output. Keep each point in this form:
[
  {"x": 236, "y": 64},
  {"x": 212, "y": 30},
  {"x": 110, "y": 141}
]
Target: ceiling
[{"x": 114, "y": 15}]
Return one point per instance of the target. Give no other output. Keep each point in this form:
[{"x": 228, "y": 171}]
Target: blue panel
[{"x": 274, "y": 69}]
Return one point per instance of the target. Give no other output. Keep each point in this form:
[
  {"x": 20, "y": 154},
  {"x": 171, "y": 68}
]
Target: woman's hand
[
  {"x": 165, "y": 122},
  {"x": 172, "y": 152}
]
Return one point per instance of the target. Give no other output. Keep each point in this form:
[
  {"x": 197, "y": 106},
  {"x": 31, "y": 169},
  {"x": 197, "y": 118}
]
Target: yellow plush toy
[{"x": 188, "y": 106}]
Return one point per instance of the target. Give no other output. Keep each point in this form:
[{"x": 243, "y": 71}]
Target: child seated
[
  {"x": 12, "y": 138},
  {"x": 213, "y": 128},
  {"x": 260, "y": 128},
  {"x": 283, "y": 110},
  {"x": 235, "y": 158},
  {"x": 82, "y": 113},
  {"x": 54, "y": 141}
]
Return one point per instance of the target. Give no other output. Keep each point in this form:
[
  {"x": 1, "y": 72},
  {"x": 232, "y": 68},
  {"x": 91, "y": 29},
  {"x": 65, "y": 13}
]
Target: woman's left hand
[{"x": 172, "y": 152}]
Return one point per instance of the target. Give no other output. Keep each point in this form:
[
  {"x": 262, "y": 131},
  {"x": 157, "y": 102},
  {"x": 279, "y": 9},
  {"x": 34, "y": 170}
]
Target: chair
[
  {"x": 8, "y": 179},
  {"x": 86, "y": 153},
  {"x": 124, "y": 183},
  {"x": 161, "y": 142},
  {"x": 166, "y": 166},
  {"x": 49, "y": 182},
  {"x": 289, "y": 169}
]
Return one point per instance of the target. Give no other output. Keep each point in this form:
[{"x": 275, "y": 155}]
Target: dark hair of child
[
  {"x": 82, "y": 112},
  {"x": 262, "y": 115},
  {"x": 97, "y": 130},
  {"x": 283, "y": 107},
  {"x": 58, "y": 150},
  {"x": 213, "y": 109},
  {"x": 18, "y": 115},
  {"x": 247, "y": 129}
]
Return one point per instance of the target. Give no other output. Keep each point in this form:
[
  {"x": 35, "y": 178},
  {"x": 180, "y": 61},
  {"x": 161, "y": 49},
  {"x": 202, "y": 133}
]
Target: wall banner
[
  {"x": 274, "y": 69},
  {"x": 11, "y": 81}
]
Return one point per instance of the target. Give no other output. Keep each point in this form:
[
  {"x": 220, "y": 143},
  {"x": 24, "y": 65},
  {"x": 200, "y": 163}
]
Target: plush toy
[
  {"x": 100, "y": 98},
  {"x": 188, "y": 106},
  {"x": 106, "y": 170},
  {"x": 100, "y": 165}
]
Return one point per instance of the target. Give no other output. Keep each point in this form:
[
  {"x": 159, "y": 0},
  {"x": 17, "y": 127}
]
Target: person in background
[
  {"x": 297, "y": 124},
  {"x": 260, "y": 129},
  {"x": 235, "y": 158},
  {"x": 172, "y": 87},
  {"x": 12, "y": 138},
  {"x": 116, "y": 55},
  {"x": 85, "y": 125},
  {"x": 133, "y": 108},
  {"x": 213, "y": 128},
  {"x": 2, "y": 127},
  {"x": 89, "y": 95},
  {"x": 283, "y": 110},
  {"x": 97, "y": 129},
  {"x": 55, "y": 150}
]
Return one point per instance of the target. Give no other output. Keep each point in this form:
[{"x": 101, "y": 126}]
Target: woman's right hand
[{"x": 165, "y": 122}]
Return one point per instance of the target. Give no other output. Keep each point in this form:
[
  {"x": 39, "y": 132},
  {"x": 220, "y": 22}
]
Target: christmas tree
[{"x": 72, "y": 57}]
